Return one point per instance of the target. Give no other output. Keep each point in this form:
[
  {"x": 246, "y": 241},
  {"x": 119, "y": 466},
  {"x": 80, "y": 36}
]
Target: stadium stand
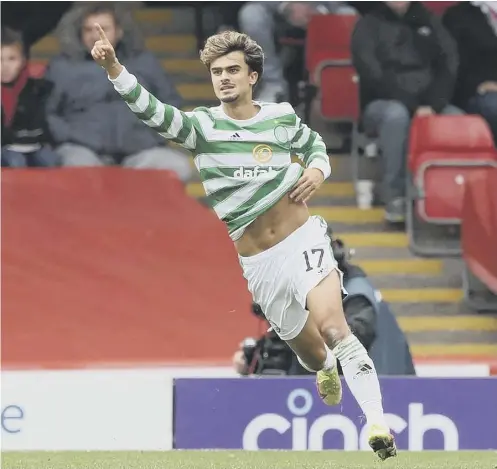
[{"x": 423, "y": 293}]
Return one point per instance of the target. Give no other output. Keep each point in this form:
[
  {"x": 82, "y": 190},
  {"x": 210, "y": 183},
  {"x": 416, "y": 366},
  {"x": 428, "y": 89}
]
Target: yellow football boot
[{"x": 382, "y": 442}]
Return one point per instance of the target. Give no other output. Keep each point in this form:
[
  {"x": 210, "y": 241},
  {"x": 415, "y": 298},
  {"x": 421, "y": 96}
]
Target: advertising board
[
  {"x": 86, "y": 410},
  {"x": 286, "y": 413}
]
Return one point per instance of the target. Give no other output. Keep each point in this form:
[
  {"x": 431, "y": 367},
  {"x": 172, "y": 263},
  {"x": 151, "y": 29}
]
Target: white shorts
[{"x": 281, "y": 277}]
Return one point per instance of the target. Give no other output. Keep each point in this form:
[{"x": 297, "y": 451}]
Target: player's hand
[
  {"x": 425, "y": 111},
  {"x": 103, "y": 52},
  {"x": 487, "y": 87},
  {"x": 239, "y": 363},
  {"x": 309, "y": 183}
]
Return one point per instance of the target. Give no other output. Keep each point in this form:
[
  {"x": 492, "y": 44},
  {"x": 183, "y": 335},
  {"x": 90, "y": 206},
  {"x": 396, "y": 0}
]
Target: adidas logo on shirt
[{"x": 235, "y": 136}]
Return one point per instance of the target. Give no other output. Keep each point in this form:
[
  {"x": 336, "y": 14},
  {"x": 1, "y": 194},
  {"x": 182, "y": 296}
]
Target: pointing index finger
[{"x": 101, "y": 33}]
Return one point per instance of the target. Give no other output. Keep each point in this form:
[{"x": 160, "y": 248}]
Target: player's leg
[
  {"x": 271, "y": 278},
  {"x": 314, "y": 355},
  {"x": 324, "y": 303}
]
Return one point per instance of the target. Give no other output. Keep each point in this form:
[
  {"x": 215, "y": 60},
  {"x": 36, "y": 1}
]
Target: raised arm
[{"x": 168, "y": 121}]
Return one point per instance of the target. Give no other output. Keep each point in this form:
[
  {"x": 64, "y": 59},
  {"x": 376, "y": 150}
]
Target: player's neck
[{"x": 241, "y": 110}]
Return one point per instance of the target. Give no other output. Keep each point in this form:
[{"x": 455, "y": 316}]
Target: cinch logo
[
  {"x": 249, "y": 173},
  {"x": 309, "y": 435}
]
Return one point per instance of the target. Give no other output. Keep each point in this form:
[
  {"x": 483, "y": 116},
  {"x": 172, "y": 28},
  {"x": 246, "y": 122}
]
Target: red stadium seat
[
  {"x": 328, "y": 40},
  {"x": 328, "y": 48},
  {"x": 339, "y": 92},
  {"x": 329, "y": 64},
  {"x": 478, "y": 238},
  {"x": 443, "y": 152}
]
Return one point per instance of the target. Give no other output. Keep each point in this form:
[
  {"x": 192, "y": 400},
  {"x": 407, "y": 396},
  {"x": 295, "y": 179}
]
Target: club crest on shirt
[
  {"x": 262, "y": 153},
  {"x": 281, "y": 134}
]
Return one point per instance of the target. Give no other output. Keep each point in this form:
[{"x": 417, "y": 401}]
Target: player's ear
[{"x": 253, "y": 77}]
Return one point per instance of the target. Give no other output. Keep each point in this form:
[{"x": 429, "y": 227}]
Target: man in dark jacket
[
  {"x": 25, "y": 140},
  {"x": 474, "y": 27},
  {"x": 89, "y": 121},
  {"x": 407, "y": 65}
]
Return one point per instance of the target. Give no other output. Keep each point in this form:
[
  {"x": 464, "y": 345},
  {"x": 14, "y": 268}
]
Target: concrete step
[
  {"x": 186, "y": 68},
  {"x": 409, "y": 280},
  {"x": 452, "y": 337},
  {"x": 383, "y": 252},
  {"x": 406, "y": 266},
  {"x": 151, "y": 16},
  {"x": 448, "y": 324},
  {"x": 178, "y": 19},
  {"x": 177, "y": 45},
  {"x": 348, "y": 214},
  {"x": 415, "y": 308},
  {"x": 344, "y": 201},
  {"x": 378, "y": 228},
  {"x": 454, "y": 351},
  {"x": 373, "y": 239},
  {"x": 422, "y": 295},
  {"x": 184, "y": 45}
]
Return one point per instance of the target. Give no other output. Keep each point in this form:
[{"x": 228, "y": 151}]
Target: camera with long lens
[{"x": 267, "y": 355}]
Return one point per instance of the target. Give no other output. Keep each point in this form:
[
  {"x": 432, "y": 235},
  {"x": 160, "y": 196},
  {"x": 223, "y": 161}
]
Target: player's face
[
  {"x": 12, "y": 62},
  {"x": 89, "y": 34},
  {"x": 232, "y": 78},
  {"x": 399, "y": 7}
]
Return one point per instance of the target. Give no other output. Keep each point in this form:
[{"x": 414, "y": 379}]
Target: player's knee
[{"x": 333, "y": 334}]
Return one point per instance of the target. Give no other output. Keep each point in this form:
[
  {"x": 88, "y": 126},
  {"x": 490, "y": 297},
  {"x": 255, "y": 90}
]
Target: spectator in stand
[
  {"x": 88, "y": 119},
  {"x": 474, "y": 27},
  {"x": 407, "y": 64},
  {"x": 261, "y": 21},
  {"x": 24, "y": 131}
]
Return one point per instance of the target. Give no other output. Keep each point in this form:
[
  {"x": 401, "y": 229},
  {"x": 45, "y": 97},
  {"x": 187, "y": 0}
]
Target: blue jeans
[
  {"x": 486, "y": 106},
  {"x": 44, "y": 157}
]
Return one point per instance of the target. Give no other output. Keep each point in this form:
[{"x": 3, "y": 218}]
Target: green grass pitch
[{"x": 247, "y": 460}]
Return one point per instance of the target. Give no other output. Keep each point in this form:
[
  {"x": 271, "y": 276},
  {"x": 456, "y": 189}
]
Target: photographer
[{"x": 369, "y": 318}]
